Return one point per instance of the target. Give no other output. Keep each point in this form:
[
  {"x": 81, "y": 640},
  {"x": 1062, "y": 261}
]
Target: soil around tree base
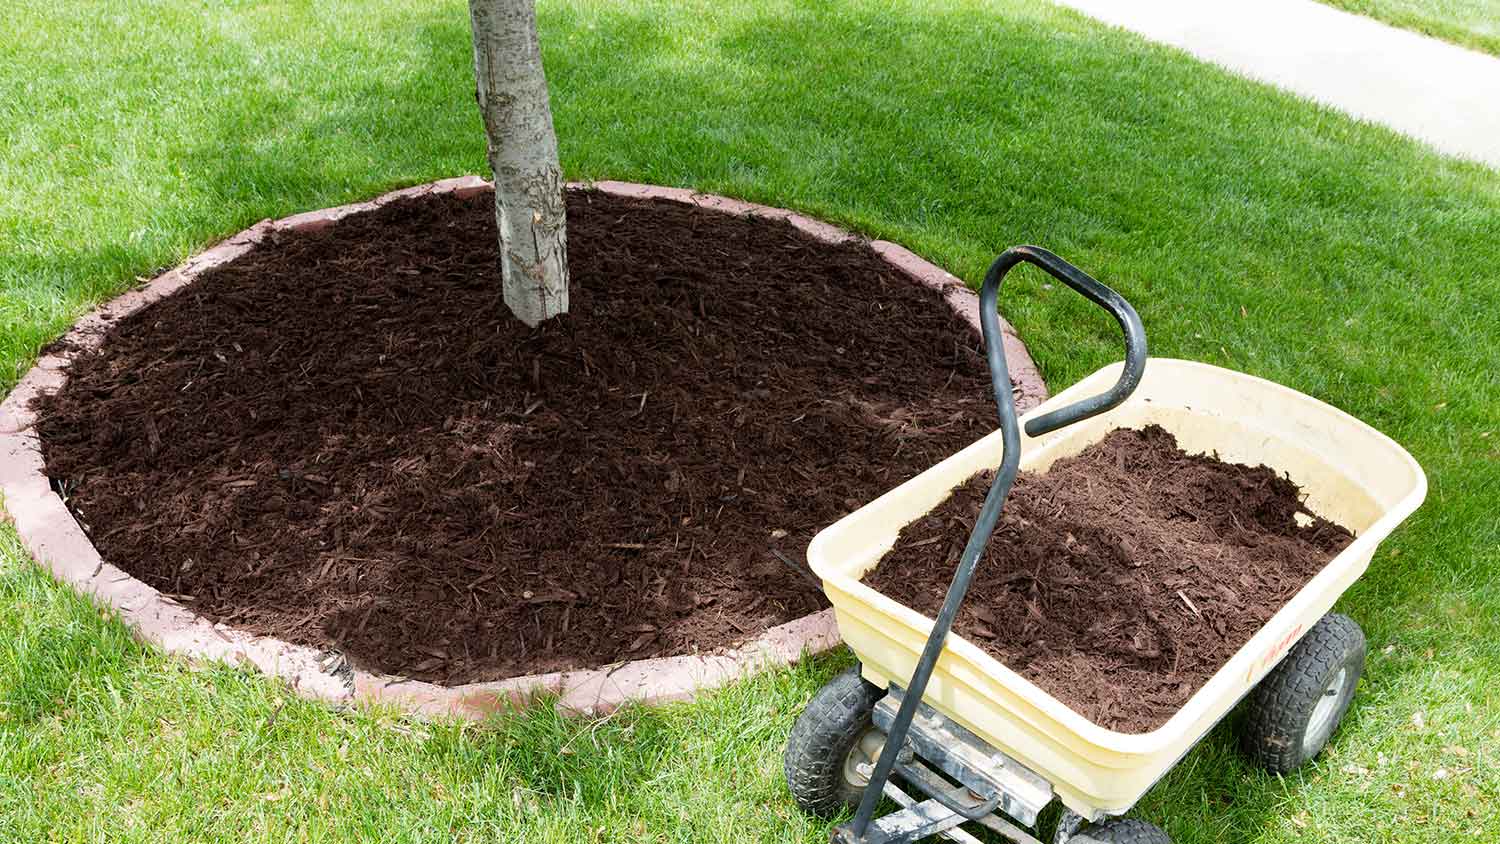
[
  {"x": 339, "y": 440},
  {"x": 1122, "y": 578}
]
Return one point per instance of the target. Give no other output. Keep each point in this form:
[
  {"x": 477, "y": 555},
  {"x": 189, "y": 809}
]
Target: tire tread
[
  {"x": 1121, "y": 831},
  {"x": 821, "y": 739},
  {"x": 1278, "y": 709}
]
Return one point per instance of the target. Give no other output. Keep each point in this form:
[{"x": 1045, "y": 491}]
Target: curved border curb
[{"x": 54, "y": 539}]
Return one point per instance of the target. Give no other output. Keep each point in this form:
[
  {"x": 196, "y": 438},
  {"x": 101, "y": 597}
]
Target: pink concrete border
[{"x": 51, "y": 535}]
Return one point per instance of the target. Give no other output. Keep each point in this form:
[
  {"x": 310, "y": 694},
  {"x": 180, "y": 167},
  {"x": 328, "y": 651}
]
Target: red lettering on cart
[{"x": 1274, "y": 653}]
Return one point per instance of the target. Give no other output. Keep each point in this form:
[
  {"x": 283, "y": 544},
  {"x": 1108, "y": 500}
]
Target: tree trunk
[{"x": 529, "y": 209}]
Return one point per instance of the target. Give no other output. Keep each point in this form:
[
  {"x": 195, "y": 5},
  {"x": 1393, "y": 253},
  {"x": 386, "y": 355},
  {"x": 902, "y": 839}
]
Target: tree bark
[{"x": 529, "y": 208}]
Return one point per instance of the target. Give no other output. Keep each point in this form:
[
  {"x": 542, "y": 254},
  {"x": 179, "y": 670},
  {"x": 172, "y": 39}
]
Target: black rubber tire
[
  {"x": 1279, "y": 710},
  {"x": 1120, "y": 831},
  {"x": 821, "y": 740}
]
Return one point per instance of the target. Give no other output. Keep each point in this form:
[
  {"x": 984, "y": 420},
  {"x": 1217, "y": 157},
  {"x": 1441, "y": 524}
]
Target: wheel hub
[
  {"x": 859, "y": 764},
  {"x": 1321, "y": 722}
]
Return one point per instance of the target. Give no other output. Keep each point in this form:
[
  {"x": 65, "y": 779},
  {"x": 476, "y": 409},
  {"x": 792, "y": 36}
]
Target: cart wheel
[
  {"x": 1295, "y": 709},
  {"x": 834, "y": 745},
  {"x": 1120, "y": 831}
]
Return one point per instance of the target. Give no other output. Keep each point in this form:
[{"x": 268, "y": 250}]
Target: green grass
[
  {"x": 1251, "y": 229},
  {"x": 1471, "y": 23}
]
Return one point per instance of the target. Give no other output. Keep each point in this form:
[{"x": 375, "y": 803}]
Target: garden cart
[{"x": 952, "y": 736}]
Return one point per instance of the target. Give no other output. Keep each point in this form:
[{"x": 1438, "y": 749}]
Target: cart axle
[{"x": 960, "y": 754}]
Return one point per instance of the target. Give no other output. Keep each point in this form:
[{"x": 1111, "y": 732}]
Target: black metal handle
[
  {"x": 1099, "y": 294},
  {"x": 1005, "y": 475}
]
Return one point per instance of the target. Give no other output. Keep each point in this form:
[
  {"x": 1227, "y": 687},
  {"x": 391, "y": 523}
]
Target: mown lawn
[
  {"x": 1250, "y": 229},
  {"x": 1472, "y": 23}
]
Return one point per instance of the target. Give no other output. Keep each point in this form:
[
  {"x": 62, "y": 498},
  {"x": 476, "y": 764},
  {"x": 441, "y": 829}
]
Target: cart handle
[
  {"x": 1005, "y": 476},
  {"x": 1099, "y": 294}
]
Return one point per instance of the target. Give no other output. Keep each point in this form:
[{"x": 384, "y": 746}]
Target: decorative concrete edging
[{"x": 54, "y": 539}]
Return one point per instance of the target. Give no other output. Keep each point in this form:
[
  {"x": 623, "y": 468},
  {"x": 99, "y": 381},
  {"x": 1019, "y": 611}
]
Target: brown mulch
[
  {"x": 343, "y": 440},
  {"x": 1122, "y": 578}
]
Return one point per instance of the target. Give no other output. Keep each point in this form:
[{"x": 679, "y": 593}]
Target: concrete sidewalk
[{"x": 1443, "y": 94}]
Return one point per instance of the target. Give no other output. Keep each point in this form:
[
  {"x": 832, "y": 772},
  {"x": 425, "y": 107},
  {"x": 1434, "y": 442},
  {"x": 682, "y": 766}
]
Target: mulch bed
[
  {"x": 1122, "y": 578},
  {"x": 342, "y": 439}
]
